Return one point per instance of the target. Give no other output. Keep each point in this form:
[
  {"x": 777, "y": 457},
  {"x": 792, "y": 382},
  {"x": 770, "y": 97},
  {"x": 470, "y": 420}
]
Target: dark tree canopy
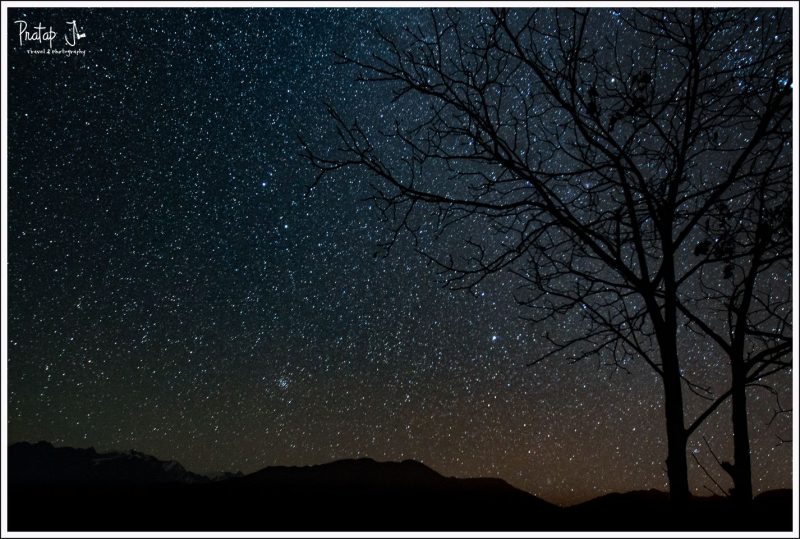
[{"x": 631, "y": 166}]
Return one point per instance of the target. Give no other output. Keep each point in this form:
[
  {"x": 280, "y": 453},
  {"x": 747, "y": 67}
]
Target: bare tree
[
  {"x": 582, "y": 151},
  {"x": 741, "y": 264}
]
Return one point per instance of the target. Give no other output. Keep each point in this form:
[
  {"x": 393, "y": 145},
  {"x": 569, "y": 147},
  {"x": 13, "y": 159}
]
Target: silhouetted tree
[
  {"x": 746, "y": 254},
  {"x": 583, "y": 151}
]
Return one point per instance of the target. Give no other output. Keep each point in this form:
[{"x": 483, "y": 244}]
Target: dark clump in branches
[{"x": 618, "y": 163}]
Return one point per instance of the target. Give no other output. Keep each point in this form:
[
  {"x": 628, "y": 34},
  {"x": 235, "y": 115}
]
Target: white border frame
[{"x": 373, "y": 4}]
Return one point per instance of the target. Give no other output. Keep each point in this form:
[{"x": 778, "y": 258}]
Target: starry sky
[{"x": 177, "y": 288}]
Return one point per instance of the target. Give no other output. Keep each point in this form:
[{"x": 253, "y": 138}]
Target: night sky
[{"x": 176, "y": 288}]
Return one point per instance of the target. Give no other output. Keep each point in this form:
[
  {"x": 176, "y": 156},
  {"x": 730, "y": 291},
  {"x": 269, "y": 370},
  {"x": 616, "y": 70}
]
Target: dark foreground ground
[{"x": 81, "y": 490}]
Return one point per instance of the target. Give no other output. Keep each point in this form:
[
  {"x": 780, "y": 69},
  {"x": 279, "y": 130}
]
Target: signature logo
[
  {"x": 76, "y": 35},
  {"x": 41, "y": 35}
]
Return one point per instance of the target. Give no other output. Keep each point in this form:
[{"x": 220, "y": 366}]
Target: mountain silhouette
[
  {"x": 41, "y": 463},
  {"x": 646, "y": 510},
  {"x": 62, "y": 488}
]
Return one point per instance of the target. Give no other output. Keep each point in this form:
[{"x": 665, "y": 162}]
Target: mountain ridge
[{"x": 58, "y": 488}]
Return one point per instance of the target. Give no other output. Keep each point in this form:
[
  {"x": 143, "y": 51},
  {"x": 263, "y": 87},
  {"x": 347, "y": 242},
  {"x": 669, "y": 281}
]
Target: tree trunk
[
  {"x": 677, "y": 469},
  {"x": 667, "y": 336},
  {"x": 742, "y": 481}
]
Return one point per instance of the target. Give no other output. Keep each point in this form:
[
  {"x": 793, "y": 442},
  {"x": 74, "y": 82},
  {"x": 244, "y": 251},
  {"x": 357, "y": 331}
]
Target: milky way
[{"x": 176, "y": 287}]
